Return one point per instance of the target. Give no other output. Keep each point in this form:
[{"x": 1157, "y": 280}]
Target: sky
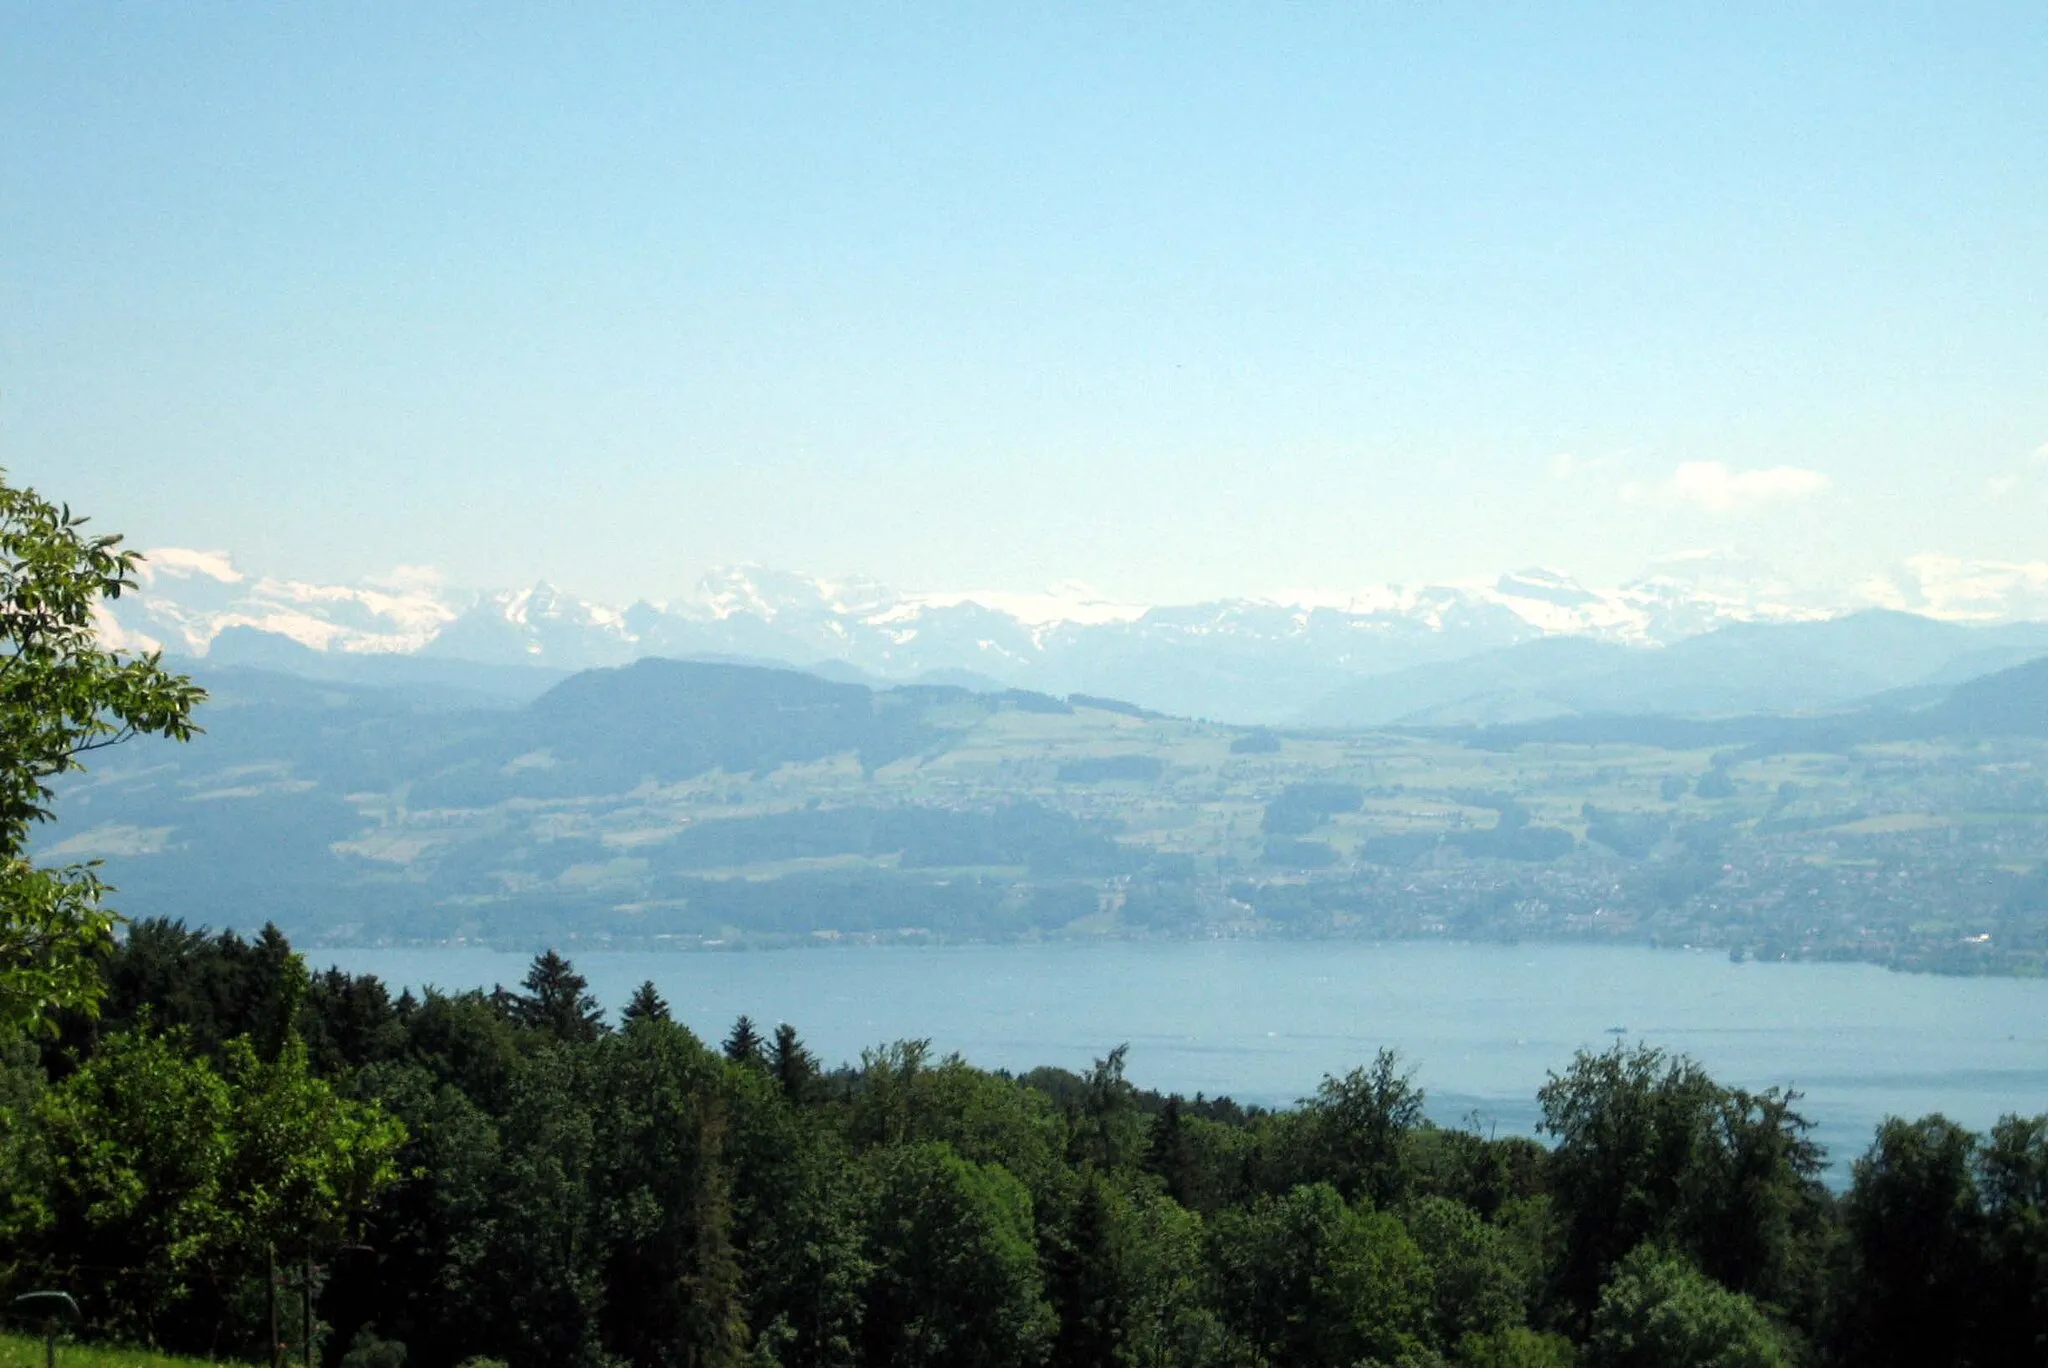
[{"x": 1179, "y": 301}]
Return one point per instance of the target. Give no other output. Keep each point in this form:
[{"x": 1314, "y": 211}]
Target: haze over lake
[{"x": 1263, "y": 1021}]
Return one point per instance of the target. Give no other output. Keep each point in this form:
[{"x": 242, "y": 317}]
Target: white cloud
[
  {"x": 183, "y": 562},
  {"x": 1713, "y": 487},
  {"x": 1962, "y": 590},
  {"x": 1998, "y": 486},
  {"x": 113, "y": 636},
  {"x": 2041, "y": 454}
]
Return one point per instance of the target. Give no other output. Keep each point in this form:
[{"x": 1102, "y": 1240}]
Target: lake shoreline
[
  {"x": 1262, "y": 1020},
  {"x": 1966, "y": 966}
]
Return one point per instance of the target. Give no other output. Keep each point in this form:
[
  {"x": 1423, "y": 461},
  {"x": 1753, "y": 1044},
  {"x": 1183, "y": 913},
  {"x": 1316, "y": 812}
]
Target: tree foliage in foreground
[
  {"x": 62, "y": 697},
  {"x": 160, "y": 1180},
  {"x": 505, "y": 1174}
]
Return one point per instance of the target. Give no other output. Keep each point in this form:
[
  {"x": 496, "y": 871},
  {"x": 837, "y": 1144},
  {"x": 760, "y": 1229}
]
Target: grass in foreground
[{"x": 26, "y": 1351}]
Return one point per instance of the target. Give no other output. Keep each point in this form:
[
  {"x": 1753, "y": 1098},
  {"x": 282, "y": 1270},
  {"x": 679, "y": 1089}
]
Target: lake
[{"x": 1263, "y": 1021}]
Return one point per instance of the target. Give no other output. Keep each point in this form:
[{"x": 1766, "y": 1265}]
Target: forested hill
[
  {"x": 522, "y": 1175},
  {"x": 606, "y": 731},
  {"x": 598, "y": 731}
]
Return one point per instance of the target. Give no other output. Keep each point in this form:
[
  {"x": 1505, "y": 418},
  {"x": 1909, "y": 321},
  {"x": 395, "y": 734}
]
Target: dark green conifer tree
[
  {"x": 645, "y": 1005},
  {"x": 1085, "y": 1286},
  {"x": 793, "y": 1066},
  {"x": 719, "y": 1313},
  {"x": 558, "y": 1001},
  {"x": 349, "y": 1020},
  {"x": 743, "y": 1045},
  {"x": 277, "y": 983},
  {"x": 1170, "y": 1156}
]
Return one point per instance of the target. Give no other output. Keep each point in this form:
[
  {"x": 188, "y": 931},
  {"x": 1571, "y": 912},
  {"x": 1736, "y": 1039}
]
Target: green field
[{"x": 17, "y": 1351}]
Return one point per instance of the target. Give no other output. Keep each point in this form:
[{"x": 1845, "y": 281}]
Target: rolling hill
[{"x": 692, "y": 802}]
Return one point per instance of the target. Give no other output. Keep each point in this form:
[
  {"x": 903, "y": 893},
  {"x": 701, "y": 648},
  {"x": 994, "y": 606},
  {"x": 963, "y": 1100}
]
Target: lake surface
[{"x": 1263, "y": 1021}]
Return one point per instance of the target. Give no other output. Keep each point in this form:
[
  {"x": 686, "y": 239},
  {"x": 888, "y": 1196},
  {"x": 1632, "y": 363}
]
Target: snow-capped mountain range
[{"x": 1249, "y": 659}]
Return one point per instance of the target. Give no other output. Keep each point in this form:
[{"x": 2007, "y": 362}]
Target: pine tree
[
  {"x": 743, "y": 1046},
  {"x": 794, "y": 1067},
  {"x": 645, "y": 1005},
  {"x": 1085, "y": 1283},
  {"x": 276, "y": 983},
  {"x": 719, "y": 1315},
  {"x": 1170, "y": 1154},
  {"x": 558, "y": 1001}
]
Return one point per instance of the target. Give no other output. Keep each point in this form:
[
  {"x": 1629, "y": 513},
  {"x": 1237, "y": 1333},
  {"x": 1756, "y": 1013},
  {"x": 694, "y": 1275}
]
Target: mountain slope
[
  {"x": 1519, "y": 683},
  {"x": 1738, "y": 670},
  {"x": 2012, "y": 702},
  {"x": 1790, "y": 667}
]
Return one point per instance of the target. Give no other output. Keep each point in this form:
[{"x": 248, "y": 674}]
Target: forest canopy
[{"x": 514, "y": 1174}]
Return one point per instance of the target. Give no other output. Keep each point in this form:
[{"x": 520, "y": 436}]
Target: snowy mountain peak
[
  {"x": 1188, "y": 657},
  {"x": 188, "y": 598},
  {"x": 1069, "y": 601}
]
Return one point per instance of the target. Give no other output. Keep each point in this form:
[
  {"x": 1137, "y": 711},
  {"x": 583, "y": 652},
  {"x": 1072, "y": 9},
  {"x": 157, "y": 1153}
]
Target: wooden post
[
  {"x": 306, "y": 1309},
  {"x": 270, "y": 1300}
]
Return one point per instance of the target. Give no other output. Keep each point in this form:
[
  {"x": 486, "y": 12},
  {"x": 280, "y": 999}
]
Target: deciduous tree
[
  {"x": 62, "y": 697},
  {"x": 1659, "y": 1312},
  {"x": 956, "y": 1279}
]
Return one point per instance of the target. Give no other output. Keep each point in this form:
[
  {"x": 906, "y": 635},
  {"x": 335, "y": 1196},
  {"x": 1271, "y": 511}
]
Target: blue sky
[{"x": 1180, "y": 301}]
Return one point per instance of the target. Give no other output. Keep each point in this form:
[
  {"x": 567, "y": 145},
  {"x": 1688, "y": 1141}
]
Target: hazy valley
[{"x": 707, "y": 803}]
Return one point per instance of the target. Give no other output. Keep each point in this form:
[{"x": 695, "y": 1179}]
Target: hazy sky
[{"x": 1177, "y": 300}]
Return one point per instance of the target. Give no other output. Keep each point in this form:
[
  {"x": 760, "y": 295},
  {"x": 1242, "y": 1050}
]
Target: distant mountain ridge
[
  {"x": 2004, "y": 704},
  {"x": 1527, "y": 645},
  {"x": 1745, "y": 668}
]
